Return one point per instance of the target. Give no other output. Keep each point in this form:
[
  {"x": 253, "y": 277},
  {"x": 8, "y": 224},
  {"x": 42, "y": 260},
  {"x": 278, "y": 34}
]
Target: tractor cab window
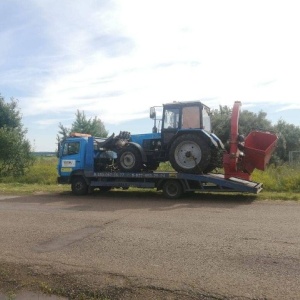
[
  {"x": 206, "y": 119},
  {"x": 171, "y": 118},
  {"x": 71, "y": 148},
  {"x": 191, "y": 117}
]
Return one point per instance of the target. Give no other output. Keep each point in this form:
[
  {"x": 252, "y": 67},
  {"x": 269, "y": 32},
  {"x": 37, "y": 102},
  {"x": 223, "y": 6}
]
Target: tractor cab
[{"x": 181, "y": 116}]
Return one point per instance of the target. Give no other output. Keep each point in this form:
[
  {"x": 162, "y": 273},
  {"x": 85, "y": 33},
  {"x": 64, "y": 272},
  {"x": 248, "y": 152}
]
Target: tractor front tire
[
  {"x": 129, "y": 159},
  {"x": 190, "y": 154}
]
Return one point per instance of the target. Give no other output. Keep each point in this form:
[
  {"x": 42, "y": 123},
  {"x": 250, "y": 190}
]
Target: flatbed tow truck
[{"x": 86, "y": 162}]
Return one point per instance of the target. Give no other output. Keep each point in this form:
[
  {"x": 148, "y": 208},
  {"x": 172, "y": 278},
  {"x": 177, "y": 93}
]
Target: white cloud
[{"x": 117, "y": 60}]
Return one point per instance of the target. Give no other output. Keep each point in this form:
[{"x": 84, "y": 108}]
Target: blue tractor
[{"x": 184, "y": 138}]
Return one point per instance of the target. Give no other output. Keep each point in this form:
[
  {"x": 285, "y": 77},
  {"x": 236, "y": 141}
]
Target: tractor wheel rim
[
  {"x": 128, "y": 160},
  {"x": 188, "y": 154}
]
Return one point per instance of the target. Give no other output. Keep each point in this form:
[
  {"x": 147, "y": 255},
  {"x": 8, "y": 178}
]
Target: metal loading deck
[{"x": 189, "y": 182}]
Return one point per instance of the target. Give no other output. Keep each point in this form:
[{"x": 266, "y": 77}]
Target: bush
[
  {"x": 43, "y": 171},
  {"x": 284, "y": 178},
  {"x": 165, "y": 167}
]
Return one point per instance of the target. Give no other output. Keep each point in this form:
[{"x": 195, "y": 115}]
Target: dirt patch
[{"x": 15, "y": 278}]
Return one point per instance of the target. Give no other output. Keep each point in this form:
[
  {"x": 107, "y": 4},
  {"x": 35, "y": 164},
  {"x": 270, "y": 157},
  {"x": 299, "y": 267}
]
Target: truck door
[
  {"x": 171, "y": 123},
  {"x": 71, "y": 157}
]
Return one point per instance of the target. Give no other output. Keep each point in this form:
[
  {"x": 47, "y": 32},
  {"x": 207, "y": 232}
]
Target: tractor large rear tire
[
  {"x": 190, "y": 154},
  {"x": 129, "y": 159},
  {"x": 216, "y": 160}
]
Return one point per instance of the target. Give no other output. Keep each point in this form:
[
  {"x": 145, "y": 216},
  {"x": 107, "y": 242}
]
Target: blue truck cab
[
  {"x": 82, "y": 154},
  {"x": 72, "y": 157}
]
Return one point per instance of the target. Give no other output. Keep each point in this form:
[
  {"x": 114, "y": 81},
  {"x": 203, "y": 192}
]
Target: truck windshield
[{"x": 71, "y": 148}]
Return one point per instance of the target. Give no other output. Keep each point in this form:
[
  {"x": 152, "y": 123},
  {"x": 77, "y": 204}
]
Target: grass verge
[
  {"x": 35, "y": 189},
  {"x": 279, "y": 182}
]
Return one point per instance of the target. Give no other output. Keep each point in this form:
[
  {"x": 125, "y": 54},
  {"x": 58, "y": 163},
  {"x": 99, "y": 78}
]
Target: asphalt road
[{"x": 235, "y": 248}]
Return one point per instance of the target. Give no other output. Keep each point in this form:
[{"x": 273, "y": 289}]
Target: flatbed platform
[{"x": 177, "y": 182}]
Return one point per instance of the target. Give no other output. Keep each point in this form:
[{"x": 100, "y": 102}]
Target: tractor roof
[{"x": 185, "y": 103}]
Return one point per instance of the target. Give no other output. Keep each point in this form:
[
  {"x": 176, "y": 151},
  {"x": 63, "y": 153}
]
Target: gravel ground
[{"x": 140, "y": 246}]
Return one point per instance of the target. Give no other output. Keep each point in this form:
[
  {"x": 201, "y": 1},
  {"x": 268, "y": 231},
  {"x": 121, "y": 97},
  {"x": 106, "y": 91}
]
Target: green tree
[
  {"x": 289, "y": 139},
  {"x": 220, "y": 121},
  {"x": 93, "y": 126},
  {"x": 15, "y": 149}
]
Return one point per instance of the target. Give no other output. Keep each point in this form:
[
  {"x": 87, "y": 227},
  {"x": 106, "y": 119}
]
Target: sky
[{"x": 114, "y": 59}]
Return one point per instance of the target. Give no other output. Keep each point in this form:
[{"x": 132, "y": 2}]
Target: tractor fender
[
  {"x": 141, "y": 150},
  {"x": 220, "y": 143},
  {"x": 212, "y": 141}
]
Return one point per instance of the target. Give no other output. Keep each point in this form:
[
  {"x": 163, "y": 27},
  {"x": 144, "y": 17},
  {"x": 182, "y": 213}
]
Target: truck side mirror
[{"x": 152, "y": 113}]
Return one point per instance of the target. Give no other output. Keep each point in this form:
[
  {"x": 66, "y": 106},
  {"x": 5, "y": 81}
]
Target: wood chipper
[{"x": 247, "y": 154}]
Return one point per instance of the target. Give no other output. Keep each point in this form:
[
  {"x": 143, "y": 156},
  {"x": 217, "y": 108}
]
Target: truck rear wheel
[
  {"x": 129, "y": 159},
  {"x": 190, "y": 154},
  {"x": 172, "y": 189},
  {"x": 79, "y": 186}
]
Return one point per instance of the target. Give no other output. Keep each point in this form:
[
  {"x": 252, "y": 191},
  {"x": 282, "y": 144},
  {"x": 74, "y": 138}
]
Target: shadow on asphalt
[{"x": 119, "y": 200}]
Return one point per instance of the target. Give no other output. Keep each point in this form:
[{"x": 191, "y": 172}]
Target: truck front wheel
[
  {"x": 79, "y": 186},
  {"x": 190, "y": 154}
]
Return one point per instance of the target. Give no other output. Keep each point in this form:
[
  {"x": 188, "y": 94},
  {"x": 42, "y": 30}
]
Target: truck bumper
[{"x": 63, "y": 180}]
